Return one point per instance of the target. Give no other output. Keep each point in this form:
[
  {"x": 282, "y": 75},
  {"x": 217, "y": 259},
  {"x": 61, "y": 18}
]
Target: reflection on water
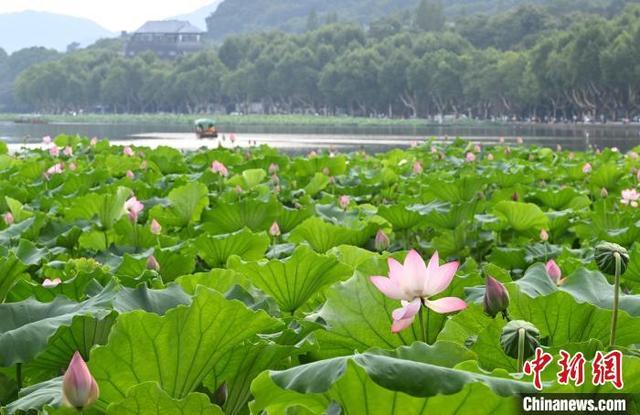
[{"x": 575, "y": 137}]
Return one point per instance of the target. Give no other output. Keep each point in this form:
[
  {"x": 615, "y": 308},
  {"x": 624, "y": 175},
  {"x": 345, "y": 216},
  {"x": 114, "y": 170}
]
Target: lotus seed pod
[
  {"x": 605, "y": 257},
  {"x": 510, "y": 335}
]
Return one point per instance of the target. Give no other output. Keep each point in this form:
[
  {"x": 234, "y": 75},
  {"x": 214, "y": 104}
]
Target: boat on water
[{"x": 206, "y": 128}]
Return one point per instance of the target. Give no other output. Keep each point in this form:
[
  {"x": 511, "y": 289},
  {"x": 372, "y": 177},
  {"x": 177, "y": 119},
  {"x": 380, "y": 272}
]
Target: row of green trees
[{"x": 546, "y": 68}]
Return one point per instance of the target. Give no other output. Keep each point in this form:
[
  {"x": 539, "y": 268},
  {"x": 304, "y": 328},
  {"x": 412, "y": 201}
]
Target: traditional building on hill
[{"x": 168, "y": 39}]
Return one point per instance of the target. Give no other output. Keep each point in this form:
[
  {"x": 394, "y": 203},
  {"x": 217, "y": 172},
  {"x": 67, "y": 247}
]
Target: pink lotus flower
[
  {"x": 68, "y": 151},
  {"x": 413, "y": 283},
  {"x": 133, "y": 207},
  {"x": 417, "y": 167},
  {"x": 630, "y": 197},
  {"x": 130, "y": 175},
  {"x": 232, "y": 137},
  {"x": 544, "y": 235},
  {"x": 47, "y": 283},
  {"x": 8, "y": 218},
  {"x": 219, "y": 168},
  {"x": 554, "y": 272},
  {"x": 155, "y": 227},
  {"x": 273, "y": 168},
  {"x": 470, "y": 157},
  {"x": 344, "y": 202},
  {"x": 586, "y": 168},
  {"x": 46, "y": 139},
  {"x": 274, "y": 230},
  {"x": 128, "y": 151},
  {"x": 93, "y": 141},
  {"x": 55, "y": 169},
  {"x": 153, "y": 264},
  {"x": 54, "y": 151},
  {"x": 79, "y": 388}
]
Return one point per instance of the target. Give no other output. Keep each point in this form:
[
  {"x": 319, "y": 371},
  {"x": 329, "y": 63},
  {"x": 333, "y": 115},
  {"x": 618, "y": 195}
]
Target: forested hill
[{"x": 242, "y": 16}]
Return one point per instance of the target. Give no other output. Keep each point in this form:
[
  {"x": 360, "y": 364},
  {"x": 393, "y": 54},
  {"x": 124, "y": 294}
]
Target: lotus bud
[
  {"x": 156, "y": 228},
  {"x": 152, "y": 263},
  {"x": 496, "y": 298},
  {"x": 605, "y": 256},
  {"x": 130, "y": 175},
  {"x": 54, "y": 150},
  {"x": 554, "y": 272},
  {"x": 490, "y": 157},
  {"x": 274, "y": 230},
  {"x": 571, "y": 155},
  {"x": 510, "y": 336},
  {"x": 46, "y": 139},
  {"x": 144, "y": 164},
  {"x": 273, "y": 168},
  {"x": 79, "y": 388},
  {"x": 558, "y": 148},
  {"x": 73, "y": 166},
  {"x": 93, "y": 141},
  {"x": 344, "y": 202},
  {"x": 382, "y": 241},
  {"x": 219, "y": 168},
  {"x": 515, "y": 196},
  {"x": 470, "y": 157},
  {"x": 477, "y": 148},
  {"x": 8, "y": 218},
  {"x": 604, "y": 193},
  {"x": 544, "y": 235},
  {"x": 638, "y": 175},
  {"x": 417, "y": 167},
  {"x": 586, "y": 168},
  {"x": 434, "y": 150},
  {"x": 68, "y": 151},
  {"x": 47, "y": 283},
  {"x": 128, "y": 151}
]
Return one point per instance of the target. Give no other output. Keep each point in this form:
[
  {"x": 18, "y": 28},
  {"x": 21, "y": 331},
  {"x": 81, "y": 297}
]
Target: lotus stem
[
  {"x": 19, "y": 375},
  {"x": 424, "y": 323},
  {"x": 616, "y": 298},
  {"x": 521, "y": 339}
]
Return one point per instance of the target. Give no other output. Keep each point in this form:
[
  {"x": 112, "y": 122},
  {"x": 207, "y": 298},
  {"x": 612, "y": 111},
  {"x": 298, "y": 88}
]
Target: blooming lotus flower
[
  {"x": 128, "y": 151},
  {"x": 496, "y": 298},
  {"x": 312, "y": 154},
  {"x": 55, "y": 169},
  {"x": 344, "y": 202},
  {"x": 414, "y": 283},
  {"x": 93, "y": 141},
  {"x": 68, "y": 151},
  {"x": 79, "y": 388},
  {"x": 219, "y": 168},
  {"x": 554, "y": 272},
  {"x": 8, "y": 218},
  {"x": 130, "y": 175},
  {"x": 54, "y": 151},
  {"x": 381, "y": 241},
  {"x": 630, "y": 197},
  {"x": 417, "y": 167},
  {"x": 153, "y": 264},
  {"x": 274, "y": 230},
  {"x": 586, "y": 168},
  {"x": 470, "y": 157},
  {"x": 133, "y": 207},
  {"x": 544, "y": 235},
  {"x": 47, "y": 283},
  {"x": 46, "y": 139}
]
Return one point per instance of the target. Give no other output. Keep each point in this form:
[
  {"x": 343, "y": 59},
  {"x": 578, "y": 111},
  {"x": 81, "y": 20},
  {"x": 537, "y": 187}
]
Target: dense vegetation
[
  {"x": 240, "y": 278},
  {"x": 526, "y": 63}
]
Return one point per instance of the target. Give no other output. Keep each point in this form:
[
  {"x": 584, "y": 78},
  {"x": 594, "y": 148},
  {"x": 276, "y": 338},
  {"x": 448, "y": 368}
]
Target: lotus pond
[{"x": 244, "y": 281}]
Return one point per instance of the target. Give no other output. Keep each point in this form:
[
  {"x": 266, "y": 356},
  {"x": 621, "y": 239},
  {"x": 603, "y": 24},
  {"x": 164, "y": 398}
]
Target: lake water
[{"x": 305, "y": 138}]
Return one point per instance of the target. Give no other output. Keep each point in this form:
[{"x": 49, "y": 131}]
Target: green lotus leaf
[
  {"x": 317, "y": 184},
  {"x": 221, "y": 280},
  {"x": 605, "y": 176},
  {"x": 11, "y": 269},
  {"x": 37, "y": 396},
  {"x": 557, "y": 199},
  {"x": 176, "y": 350},
  {"x": 150, "y": 300},
  {"x": 399, "y": 216},
  {"x": 293, "y": 281},
  {"x": 522, "y": 216},
  {"x": 18, "y": 210},
  {"x": 149, "y": 399},
  {"x": 186, "y": 204},
  {"x": 322, "y": 236},
  {"x": 231, "y": 217},
  {"x": 168, "y": 159},
  {"x": 108, "y": 208},
  {"x": 215, "y": 250}
]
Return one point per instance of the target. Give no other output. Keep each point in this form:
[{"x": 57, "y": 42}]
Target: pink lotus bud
[
  {"x": 544, "y": 235},
  {"x": 507, "y": 150},
  {"x": 219, "y": 168},
  {"x": 47, "y": 283},
  {"x": 490, "y": 157},
  {"x": 273, "y": 168},
  {"x": 417, "y": 167},
  {"x": 130, "y": 175},
  {"x": 239, "y": 189},
  {"x": 79, "y": 388},
  {"x": 152, "y": 263},
  {"x": 382, "y": 241},
  {"x": 46, "y": 139},
  {"x": 133, "y": 207},
  {"x": 156, "y": 228},
  {"x": 274, "y": 230},
  {"x": 232, "y": 137},
  {"x": 586, "y": 168},
  {"x": 275, "y": 179},
  {"x": 54, "y": 151},
  {"x": 604, "y": 192},
  {"x": 554, "y": 271},
  {"x": 477, "y": 148},
  {"x": 8, "y": 218},
  {"x": 73, "y": 166},
  {"x": 68, "y": 151},
  {"x": 470, "y": 157},
  {"x": 344, "y": 202},
  {"x": 496, "y": 298},
  {"x": 128, "y": 151},
  {"x": 93, "y": 141}
]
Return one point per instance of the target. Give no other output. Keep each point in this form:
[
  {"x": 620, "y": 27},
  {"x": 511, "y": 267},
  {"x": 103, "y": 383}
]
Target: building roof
[{"x": 168, "y": 26}]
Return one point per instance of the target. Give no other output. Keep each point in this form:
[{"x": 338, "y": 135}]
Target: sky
[{"x": 114, "y": 15}]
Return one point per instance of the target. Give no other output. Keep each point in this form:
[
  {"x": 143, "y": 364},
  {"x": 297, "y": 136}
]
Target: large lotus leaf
[
  {"x": 186, "y": 204},
  {"x": 399, "y": 216},
  {"x": 37, "y": 396},
  {"x": 352, "y": 255},
  {"x": 17, "y": 209},
  {"x": 322, "y": 236},
  {"x": 289, "y": 218},
  {"x": 293, "y": 281},
  {"x": 308, "y": 166},
  {"x": 358, "y": 315},
  {"x": 149, "y": 399},
  {"x": 176, "y": 350},
  {"x": 452, "y": 216},
  {"x": 11, "y": 268},
  {"x": 557, "y": 199},
  {"x": 27, "y": 325},
  {"x": 606, "y": 176},
  {"x": 318, "y": 183},
  {"x": 522, "y": 216},
  {"x": 231, "y": 217},
  {"x": 30, "y": 254},
  {"x": 221, "y": 280},
  {"x": 460, "y": 190},
  {"x": 150, "y": 300},
  {"x": 174, "y": 263},
  {"x": 215, "y": 250},
  {"x": 108, "y": 208},
  {"x": 168, "y": 159},
  {"x": 248, "y": 179}
]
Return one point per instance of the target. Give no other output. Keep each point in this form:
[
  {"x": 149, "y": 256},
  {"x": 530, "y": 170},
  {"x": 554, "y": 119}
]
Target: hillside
[
  {"x": 199, "y": 17},
  {"x": 55, "y": 31}
]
